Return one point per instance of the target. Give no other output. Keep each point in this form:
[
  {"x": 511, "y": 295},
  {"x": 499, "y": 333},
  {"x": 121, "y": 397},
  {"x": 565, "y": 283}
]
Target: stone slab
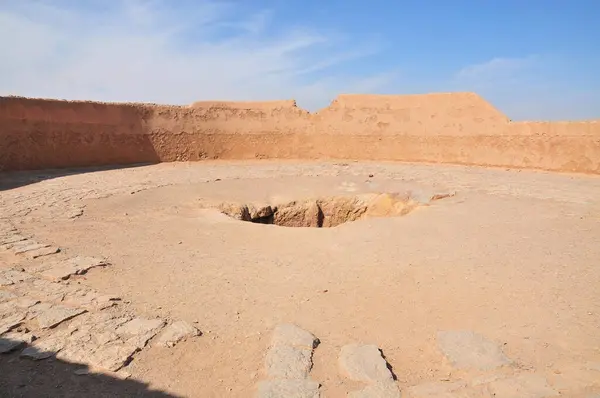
[
  {"x": 14, "y": 340},
  {"x": 51, "y": 315},
  {"x": 287, "y": 362},
  {"x": 139, "y": 326},
  {"x": 10, "y": 277},
  {"x": 292, "y": 335},
  {"x": 382, "y": 389},
  {"x": 74, "y": 266},
  {"x": 522, "y": 386},
  {"x": 6, "y": 296},
  {"x": 288, "y": 389},
  {"x": 437, "y": 389},
  {"x": 46, "y": 347},
  {"x": 11, "y": 321},
  {"x": 174, "y": 333},
  {"x": 364, "y": 363},
  {"x": 138, "y": 331},
  {"x": 12, "y": 238},
  {"x": 112, "y": 356},
  {"x": 29, "y": 247},
  {"x": 470, "y": 350},
  {"x": 44, "y": 251}
]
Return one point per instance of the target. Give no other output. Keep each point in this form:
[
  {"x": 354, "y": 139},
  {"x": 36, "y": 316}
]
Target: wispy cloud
[
  {"x": 495, "y": 71},
  {"x": 147, "y": 50},
  {"x": 535, "y": 87}
]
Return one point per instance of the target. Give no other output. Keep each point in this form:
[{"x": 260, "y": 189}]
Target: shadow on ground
[
  {"x": 49, "y": 378},
  {"x": 16, "y": 179}
]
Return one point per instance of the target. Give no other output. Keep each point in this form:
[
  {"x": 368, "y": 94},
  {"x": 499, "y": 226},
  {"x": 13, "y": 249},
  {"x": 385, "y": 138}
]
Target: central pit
[{"x": 322, "y": 212}]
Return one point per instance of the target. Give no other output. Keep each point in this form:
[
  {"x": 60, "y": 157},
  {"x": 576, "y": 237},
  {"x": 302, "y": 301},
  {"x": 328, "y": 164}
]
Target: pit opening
[{"x": 323, "y": 212}]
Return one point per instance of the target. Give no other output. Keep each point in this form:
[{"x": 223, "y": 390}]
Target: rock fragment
[
  {"x": 139, "y": 331},
  {"x": 51, "y": 315},
  {"x": 287, "y": 362},
  {"x": 10, "y": 277},
  {"x": 436, "y": 389},
  {"x": 11, "y": 321},
  {"x": 20, "y": 249},
  {"x": 288, "y": 389},
  {"x": 174, "y": 333},
  {"x": 299, "y": 214},
  {"x": 381, "y": 389},
  {"x": 75, "y": 266},
  {"x": 113, "y": 356},
  {"x": 6, "y": 296},
  {"x": 469, "y": 350},
  {"x": 364, "y": 363},
  {"x": 46, "y": 347},
  {"x": 45, "y": 251},
  {"x": 12, "y": 239},
  {"x": 292, "y": 335}
]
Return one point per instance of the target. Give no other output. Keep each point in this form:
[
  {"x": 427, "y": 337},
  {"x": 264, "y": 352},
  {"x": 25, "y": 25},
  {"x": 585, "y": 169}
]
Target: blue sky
[{"x": 534, "y": 60}]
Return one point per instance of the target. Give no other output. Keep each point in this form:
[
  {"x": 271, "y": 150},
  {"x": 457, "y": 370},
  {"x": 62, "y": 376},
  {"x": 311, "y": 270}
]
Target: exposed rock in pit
[{"x": 322, "y": 212}]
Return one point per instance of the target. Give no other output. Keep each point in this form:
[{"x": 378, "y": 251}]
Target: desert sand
[
  {"x": 387, "y": 245},
  {"x": 487, "y": 285}
]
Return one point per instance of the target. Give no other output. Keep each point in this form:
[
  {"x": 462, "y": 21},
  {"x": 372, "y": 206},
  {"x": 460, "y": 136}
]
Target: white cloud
[{"x": 147, "y": 50}]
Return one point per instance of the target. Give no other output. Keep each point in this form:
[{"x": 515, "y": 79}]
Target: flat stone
[
  {"x": 104, "y": 301},
  {"x": 47, "y": 347},
  {"x": 138, "y": 326},
  {"x": 287, "y": 362},
  {"x": 469, "y": 350},
  {"x": 76, "y": 351},
  {"x": 28, "y": 248},
  {"x": 436, "y": 389},
  {"x": 90, "y": 299},
  {"x": 112, "y": 356},
  {"x": 382, "y": 389},
  {"x": 522, "y": 386},
  {"x": 11, "y": 321},
  {"x": 174, "y": 333},
  {"x": 364, "y": 363},
  {"x": 138, "y": 331},
  {"x": 12, "y": 238},
  {"x": 43, "y": 290},
  {"x": 6, "y": 296},
  {"x": 44, "y": 251},
  {"x": 288, "y": 389},
  {"x": 10, "y": 277},
  {"x": 25, "y": 302},
  {"x": 74, "y": 266},
  {"x": 51, "y": 315},
  {"x": 292, "y": 335},
  {"x": 14, "y": 340},
  {"x": 7, "y": 308}
]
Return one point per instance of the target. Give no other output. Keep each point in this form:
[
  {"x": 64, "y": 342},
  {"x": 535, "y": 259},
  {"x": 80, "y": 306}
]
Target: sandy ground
[{"x": 514, "y": 256}]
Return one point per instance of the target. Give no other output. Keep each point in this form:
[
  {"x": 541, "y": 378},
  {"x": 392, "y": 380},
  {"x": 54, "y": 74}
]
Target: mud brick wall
[{"x": 459, "y": 128}]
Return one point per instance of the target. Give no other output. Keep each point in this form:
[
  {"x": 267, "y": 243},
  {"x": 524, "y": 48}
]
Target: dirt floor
[{"x": 513, "y": 255}]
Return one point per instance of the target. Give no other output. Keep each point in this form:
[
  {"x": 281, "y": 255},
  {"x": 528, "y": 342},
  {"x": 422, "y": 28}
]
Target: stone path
[
  {"x": 289, "y": 360},
  {"x": 45, "y": 315}
]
